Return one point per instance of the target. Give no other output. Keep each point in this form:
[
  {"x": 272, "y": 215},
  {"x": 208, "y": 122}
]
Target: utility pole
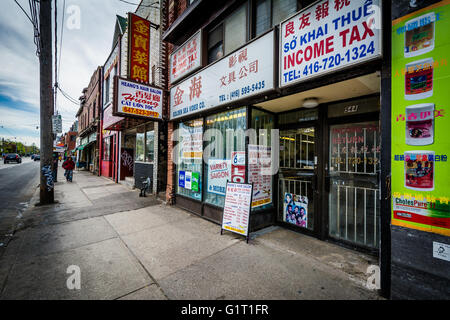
[{"x": 46, "y": 97}]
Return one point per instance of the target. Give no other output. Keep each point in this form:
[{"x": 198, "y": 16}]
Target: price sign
[{"x": 236, "y": 211}]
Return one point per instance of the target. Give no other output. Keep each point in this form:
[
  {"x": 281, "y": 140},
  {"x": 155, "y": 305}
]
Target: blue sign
[{"x": 181, "y": 179}]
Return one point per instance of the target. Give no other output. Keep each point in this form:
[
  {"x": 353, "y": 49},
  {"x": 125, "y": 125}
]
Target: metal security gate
[{"x": 354, "y": 195}]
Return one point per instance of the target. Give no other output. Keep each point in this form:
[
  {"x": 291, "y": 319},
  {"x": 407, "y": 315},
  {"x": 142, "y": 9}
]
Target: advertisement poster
[
  {"x": 191, "y": 142},
  {"x": 260, "y": 174},
  {"x": 236, "y": 210},
  {"x": 420, "y": 119},
  {"x": 187, "y": 180},
  {"x": 327, "y": 36},
  {"x": 295, "y": 209},
  {"x": 181, "y": 179},
  {"x": 238, "y": 166},
  {"x": 136, "y": 99},
  {"x": 219, "y": 172},
  {"x": 195, "y": 182}
]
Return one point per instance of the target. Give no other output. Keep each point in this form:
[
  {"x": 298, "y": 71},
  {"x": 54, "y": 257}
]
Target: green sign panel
[{"x": 421, "y": 119}]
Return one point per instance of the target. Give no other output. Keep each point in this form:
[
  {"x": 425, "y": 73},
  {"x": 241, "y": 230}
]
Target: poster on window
[
  {"x": 219, "y": 172},
  {"x": 295, "y": 209},
  {"x": 181, "y": 179},
  {"x": 238, "y": 166},
  {"x": 420, "y": 120},
  {"x": 188, "y": 180},
  {"x": 195, "y": 184},
  {"x": 191, "y": 142},
  {"x": 260, "y": 174},
  {"x": 236, "y": 211}
]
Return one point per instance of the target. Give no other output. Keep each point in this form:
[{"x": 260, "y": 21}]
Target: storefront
[{"x": 301, "y": 122}]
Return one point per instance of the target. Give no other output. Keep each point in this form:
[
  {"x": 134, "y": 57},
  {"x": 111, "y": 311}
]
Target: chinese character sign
[
  {"x": 139, "y": 48},
  {"x": 243, "y": 73},
  {"x": 420, "y": 141},
  {"x": 138, "y": 99},
  {"x": 186, "y": 59},
  {"x": 328, "y": 36}
]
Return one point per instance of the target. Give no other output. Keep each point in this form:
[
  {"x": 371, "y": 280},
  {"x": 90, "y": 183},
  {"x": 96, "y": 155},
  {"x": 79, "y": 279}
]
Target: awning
[{"x": 85, "y": 145}]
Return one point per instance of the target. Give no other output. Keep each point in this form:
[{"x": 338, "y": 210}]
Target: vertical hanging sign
[
  {"x": 420, "y": 119},
  {"x": 138, "y": 48}
]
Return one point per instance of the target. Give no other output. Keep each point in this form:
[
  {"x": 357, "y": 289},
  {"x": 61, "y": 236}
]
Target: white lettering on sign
[{"x": 328, "y": 36}]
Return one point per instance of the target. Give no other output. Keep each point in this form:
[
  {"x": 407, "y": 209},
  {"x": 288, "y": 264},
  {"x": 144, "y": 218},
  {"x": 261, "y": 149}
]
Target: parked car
[
  {"x": 37, "y": 157},
  {"x": 32, "y": 156},
  {"x": 12, "y": 157}
]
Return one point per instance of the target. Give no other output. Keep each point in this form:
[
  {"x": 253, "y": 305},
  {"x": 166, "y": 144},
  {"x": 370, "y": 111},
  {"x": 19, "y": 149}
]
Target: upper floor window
[
  {"x": 228, "y": 35},
  {"x": 269, "y": 13}
]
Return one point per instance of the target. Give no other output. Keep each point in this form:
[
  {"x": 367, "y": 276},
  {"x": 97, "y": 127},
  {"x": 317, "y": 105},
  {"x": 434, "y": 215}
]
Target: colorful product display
[
  {"x": 419, "y": 170},
  {"x": 419, "y": 37},
  {"x": 419, "y": 79},
  {"x": 420, "y": 73},
  {"x": 420, "y": 124}
]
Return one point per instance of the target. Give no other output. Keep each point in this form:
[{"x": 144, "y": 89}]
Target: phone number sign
[{"x": 328, "y": 36}]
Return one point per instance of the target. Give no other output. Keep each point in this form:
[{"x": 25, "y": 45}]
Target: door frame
[
  {"x": 327, "y": 122},
  {"x": 317, "y": 181}
]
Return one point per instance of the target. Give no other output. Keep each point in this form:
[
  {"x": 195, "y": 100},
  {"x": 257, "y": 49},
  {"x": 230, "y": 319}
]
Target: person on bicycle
[{"x": 69, "y": 165}]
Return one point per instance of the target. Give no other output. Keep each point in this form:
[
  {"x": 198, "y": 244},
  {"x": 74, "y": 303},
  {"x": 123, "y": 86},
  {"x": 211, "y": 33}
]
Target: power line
[
  {"x": 61, "y": 40},
  {"x": 34, "y": 11},
  {"x": 55, "y": 91},
  {"x": 141, "y": 5},
  {"x": 25, "y": 13}
]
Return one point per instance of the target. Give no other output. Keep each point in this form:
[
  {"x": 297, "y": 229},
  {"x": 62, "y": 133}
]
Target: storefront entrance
[{"x": 328, "y": 180}]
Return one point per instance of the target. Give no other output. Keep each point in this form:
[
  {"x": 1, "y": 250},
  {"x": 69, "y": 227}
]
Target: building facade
[
  {"x": 132, "y": 122},
  {"x": 295, "y": 98},
  {"x": 89, "y": 124}
]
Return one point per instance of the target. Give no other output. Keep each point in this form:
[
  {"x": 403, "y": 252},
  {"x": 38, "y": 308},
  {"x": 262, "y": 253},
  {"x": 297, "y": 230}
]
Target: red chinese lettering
[
  {"x": 222, "y": 81},
  {"x": 242, "y": 55},
  {"x": 232, "y": 61},
  {"x": 322, "y": 11},
  {"x": 304, "y": 20},
  {"x": 231, "y": 77},
  {"x": 339, "y": 4},
  {"x": 243, "y": 72},
  {"x": 195, "y": 88},
  {"x": 289, "y": 28},
  {"x": 178, "y": 96},
  {"x": 253, "y": 66}
]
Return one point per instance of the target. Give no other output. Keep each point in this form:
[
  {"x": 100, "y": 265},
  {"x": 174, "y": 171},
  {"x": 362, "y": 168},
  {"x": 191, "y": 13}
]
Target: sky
[{"x": 86, "y": 44}]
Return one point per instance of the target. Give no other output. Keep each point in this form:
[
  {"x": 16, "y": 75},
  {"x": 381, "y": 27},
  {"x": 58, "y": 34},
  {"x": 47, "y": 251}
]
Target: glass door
[
  {"x": 297, "y": 177},
  {"x": 354, "y": 160}
]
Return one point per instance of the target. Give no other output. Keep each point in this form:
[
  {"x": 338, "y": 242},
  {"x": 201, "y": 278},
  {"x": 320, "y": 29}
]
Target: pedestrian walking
[{"x": 69, "y": 165}]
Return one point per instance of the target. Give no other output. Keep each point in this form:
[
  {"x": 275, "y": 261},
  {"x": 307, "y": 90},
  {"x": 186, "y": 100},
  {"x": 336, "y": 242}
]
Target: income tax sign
[
  {"x": 328, "y": 36},
  {"x": 135, "y": 99}
]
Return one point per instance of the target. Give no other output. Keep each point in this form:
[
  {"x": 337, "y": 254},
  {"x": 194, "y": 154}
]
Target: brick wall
[{"x": 170, "y": 190}]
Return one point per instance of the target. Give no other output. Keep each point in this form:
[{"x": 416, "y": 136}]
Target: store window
[
  {"x": 145, "y": 143},
  {"x": 229, "y": 35},
  {"x": 260, "y": 160},
  {"x": 269, "y": 13},
  {"x": 107, "y": 149},
  {"x": 190, "y": 158},
  {"x": 226, "y": 133}
]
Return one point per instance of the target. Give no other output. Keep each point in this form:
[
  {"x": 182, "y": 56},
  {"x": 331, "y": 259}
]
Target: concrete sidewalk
[{"x": 139, "y": 248}]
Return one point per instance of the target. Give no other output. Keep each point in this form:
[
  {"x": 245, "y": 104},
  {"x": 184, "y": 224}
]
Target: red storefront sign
[{"x": 138, "y": 48}]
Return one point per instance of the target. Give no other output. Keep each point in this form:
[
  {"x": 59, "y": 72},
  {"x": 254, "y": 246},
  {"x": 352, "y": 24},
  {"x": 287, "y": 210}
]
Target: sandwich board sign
[{"x": 236, "y": 211}]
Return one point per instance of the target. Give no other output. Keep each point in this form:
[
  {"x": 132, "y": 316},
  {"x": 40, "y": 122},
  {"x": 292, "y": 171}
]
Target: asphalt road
[{"x": 18, "y": 183}]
